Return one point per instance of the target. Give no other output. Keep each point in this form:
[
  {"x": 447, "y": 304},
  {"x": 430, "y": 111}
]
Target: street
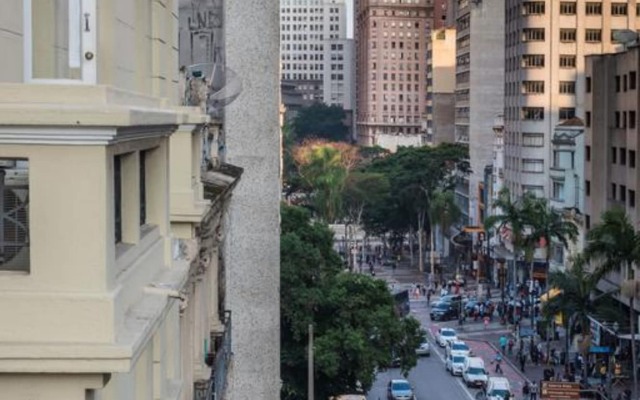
[{"x": 429, "y": 378}]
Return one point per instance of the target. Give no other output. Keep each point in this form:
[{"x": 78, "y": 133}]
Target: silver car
[{"x": 424, "y": 349}]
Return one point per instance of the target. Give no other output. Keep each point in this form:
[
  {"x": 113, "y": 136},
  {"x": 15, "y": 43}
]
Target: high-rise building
[
  {"x": 317, "y": 50},
  {"x": 479, "y": 94},
  {"x": 546, "y": 45},
  {"x": 392, "y": 67},
  {"x": 441, "y": 85},
  {"x": 444, "y": 13}
]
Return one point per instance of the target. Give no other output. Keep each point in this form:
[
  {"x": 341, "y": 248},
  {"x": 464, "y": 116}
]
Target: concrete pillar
[{"x": 252, "y": 248}]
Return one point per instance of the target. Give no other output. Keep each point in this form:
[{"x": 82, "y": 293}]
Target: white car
[
  {"x": 473, "y": 372},
  {"x": 446, "y": 335},
  {"x": 424, "y": 349},
  {"x": 457, "y": 348},
  {"x": 455, "y": 364},
  {"x": 498, "y": 388}
]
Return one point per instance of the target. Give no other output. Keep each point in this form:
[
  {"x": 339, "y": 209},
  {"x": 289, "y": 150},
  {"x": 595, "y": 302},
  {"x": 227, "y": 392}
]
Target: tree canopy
[
  {"x": 321, "y": 121},
  {"x": 356, "y": 327}
]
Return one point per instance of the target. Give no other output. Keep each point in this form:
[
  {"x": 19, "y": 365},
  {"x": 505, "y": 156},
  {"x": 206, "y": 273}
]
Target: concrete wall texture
[{"x": 252, "y": 250}]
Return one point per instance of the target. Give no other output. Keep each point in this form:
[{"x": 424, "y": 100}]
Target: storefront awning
[{"x": 549, "y": 294}]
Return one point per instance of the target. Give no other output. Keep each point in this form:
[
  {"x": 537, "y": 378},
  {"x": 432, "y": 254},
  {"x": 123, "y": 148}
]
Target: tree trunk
[
  {"x": 411, "y": 246},
  {"x": 432, "y": 258},
  {"x": 634, "y": 389},
  {"x": 421, "y": 217}
]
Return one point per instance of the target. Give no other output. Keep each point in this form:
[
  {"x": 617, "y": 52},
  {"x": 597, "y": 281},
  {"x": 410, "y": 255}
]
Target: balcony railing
[{"x": 223, "y": 359}]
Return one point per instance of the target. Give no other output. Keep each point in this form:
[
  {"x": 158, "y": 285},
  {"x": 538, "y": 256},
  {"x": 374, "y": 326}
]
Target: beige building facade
[
  {"x": 546, "y": 45},
  {"x": 391, "y": 68},
  {"x": 111, "y": 218},
  {"x": 441, "y": 87}
]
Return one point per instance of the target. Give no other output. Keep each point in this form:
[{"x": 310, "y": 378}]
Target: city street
[{"x": 429, "y": 378}]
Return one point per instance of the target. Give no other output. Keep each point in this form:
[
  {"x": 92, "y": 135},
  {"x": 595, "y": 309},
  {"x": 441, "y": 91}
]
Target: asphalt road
[{"x": 429, "y": 378}]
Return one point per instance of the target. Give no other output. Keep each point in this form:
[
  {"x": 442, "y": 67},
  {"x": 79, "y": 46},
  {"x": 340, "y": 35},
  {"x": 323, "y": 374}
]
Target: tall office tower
[
  {"x": 317, "y": 50},
  {"x": 546, "y": 45},
  {"x": 479, "y": 93},
  {"x": 444, "y": 13},
  {"x": 441, "y": 85},
  {"x": 391, "y": 62}
]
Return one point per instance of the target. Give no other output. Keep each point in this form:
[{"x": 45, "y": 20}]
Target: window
[
  {"x": 533, "y": 61},
  {"x": 567, "y": 113},
  {"x": 614, "y": 191},
  {"x": 558, "y": 190},
  {"x": 587, "y": 188},
  {"x": 588, "y": 84},
  {"x": 632, "y": 198},
  {"x": 56, "y": 39},
  {"x": 593, "y": 35},
  {"x": 567, "y": 8},
  {"x": 533, "y": 7},
  {"x": 623, "y": 193},
  {"x": 14, "y": 215},
  {"x": 618, "y": 9},
  {"x": 533, "y": 113},
  {"x": 117, "y": 197},
  {"x": 533, "y": 87},
  {"x": 533, "y": 34},
  {"x": 632, "y": 80},
  {"x": 593, "y": 8},
  {"x": 533, "y": 165},
  {"x": 532, "y": 139},
  {"x": 587, "y": 117},
  {"x": 632, "y": 120},
  {"x": 587, "y": 221},
  {"x": 567, "y": 35},
  {"x": 567, "y": 61},
  {"x": 632, "y": 158},
  {"x": 623, "y": 156},
  {"x": 618, "y": 85},
  {"x": 614, "y": 155},
  {"x": 567, "y": 87},
  {"x": 587, "y": 153},
  {"x": 618, "y": 124}
]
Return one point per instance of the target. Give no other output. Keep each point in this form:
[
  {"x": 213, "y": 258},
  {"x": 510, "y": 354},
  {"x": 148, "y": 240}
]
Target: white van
[
  {"x": 474, "y": 373},
  {"x": 497, "y": 388}
]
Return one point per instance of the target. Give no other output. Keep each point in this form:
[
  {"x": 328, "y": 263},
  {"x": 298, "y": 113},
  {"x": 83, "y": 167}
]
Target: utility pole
[{"x": 310, "y": 382}]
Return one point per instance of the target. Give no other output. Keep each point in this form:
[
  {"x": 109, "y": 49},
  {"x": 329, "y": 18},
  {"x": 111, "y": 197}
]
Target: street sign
[{"x": 560, "y": 391}]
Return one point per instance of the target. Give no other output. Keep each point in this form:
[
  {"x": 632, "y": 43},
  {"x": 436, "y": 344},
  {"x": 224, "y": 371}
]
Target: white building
[
  {"x": 317, "y": 51},
  {"x": 545, "y": 47},
  {"x": 479, "y": 93}
]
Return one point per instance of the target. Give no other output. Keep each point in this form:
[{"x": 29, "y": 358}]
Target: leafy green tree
[
  {"x": 355, "y": 326},
  {"x": 443, "y": 212},
  {"x": 325, "y": 166},
  {"x": 321, "y": 121},
  {"x": 415, "y": 174}
]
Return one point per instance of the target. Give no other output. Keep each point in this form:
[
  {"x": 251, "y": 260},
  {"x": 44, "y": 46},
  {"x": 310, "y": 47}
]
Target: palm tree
[
  {"x": 549, "y": 224},
  {"x": 443, "y": 212},
  {"x": 515, "y": 215},
  {"x": 614, "y": 245},
  {"x": 574, "y": 302}
]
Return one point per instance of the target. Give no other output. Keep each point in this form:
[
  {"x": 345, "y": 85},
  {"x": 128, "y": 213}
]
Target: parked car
[
  {"x": 498, "y": 388},
  {"x": 454, "y": 364},
  {"x": 424, "y": 349},
  {"x": 474, "y": 373},
  {"x": 445, "y": 335},
  {"x": 400, "y": 389},
  {"x": 441, "y": 311},
  {"x": 457, "y": 348}
]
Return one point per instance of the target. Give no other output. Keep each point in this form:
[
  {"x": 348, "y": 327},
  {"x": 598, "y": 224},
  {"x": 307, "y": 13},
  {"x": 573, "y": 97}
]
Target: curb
[{"x": 506, "y": 359}]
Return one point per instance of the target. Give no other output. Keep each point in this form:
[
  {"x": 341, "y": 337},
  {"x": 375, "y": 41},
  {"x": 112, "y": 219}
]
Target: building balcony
[{"x": 557, "y": 172}]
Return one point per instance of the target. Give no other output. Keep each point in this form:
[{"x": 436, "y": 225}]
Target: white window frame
[{"x": 86, "y": 41}]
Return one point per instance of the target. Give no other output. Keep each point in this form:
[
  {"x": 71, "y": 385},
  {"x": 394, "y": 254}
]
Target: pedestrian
[
  {"x": 486, "y": 321},
  {"x": 525, "y": 391},
  {"x": 533, "y": 391},
  {"x": 522, "y": 358},
  {"x": 498, "y": 361},
  {"x": 503, "y": 343},
  {"x": 429, "y": 297},
  {"x": 510, "y": 346}
]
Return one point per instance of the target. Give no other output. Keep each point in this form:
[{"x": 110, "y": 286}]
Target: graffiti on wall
[{"x": 201, "y": 32}]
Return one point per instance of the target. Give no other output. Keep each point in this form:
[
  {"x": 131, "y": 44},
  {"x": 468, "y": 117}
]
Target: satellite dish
[{"x": 625, "y": 36}]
